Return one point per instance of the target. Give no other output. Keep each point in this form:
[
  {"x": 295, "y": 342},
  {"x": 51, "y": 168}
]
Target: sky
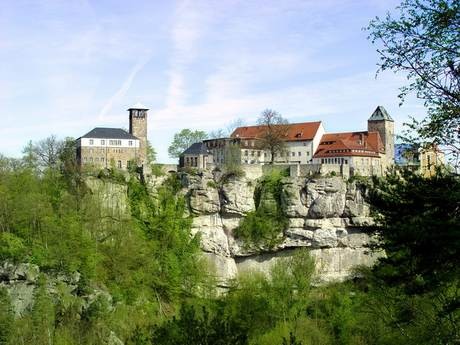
[{"x": 67, "y": 66}]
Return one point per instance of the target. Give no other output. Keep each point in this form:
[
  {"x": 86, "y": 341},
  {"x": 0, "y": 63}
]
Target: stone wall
[{"x": 102, "y": 157}]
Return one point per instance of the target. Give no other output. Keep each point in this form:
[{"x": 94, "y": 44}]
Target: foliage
[
  {"x": 423, "y": 42},
  {"x": 196, "y": 328},
  {"x": 11, "y": 247},
  {"x": 176, "y": 268},
  {"x": 253, "y": 307},
  {"x": 276, "y": 127},
  {"x": 151, "y": 153},
  {"x": 263, "y": 228},
  {"x": 183, "y": 140},
  {"x": 6, "y": 317},
  {"x": 418, "y": 228}
]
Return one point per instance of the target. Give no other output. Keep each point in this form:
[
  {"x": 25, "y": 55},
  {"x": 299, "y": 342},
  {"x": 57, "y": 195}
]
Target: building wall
[
  {"x": 429, "y": 161},
  {"x": 364, "y": 166},
  {"x": 105, "y": 156},
  {"x": 194, "y": 161}
]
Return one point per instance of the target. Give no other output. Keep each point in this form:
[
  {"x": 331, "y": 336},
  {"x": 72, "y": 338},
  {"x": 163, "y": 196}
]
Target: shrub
[
  {"x": 11, "y": 247},
  {"x": 212, "y": 184},
  {"x": 264, "y": 227}
]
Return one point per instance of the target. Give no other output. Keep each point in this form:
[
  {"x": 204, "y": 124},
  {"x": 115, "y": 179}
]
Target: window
[
  {"x": 91, "y": 141},
  {"x": 119, "y": 164},
  {"x": 130, "y": 143},
  {"x": 102, "y": 159},
  {"x": 102, "y": 142},
  {"x": 299, "y": 153},
  {"x": 293, "y": 154},
  {"x": 308, "y": 153},
  {"x": 246, "y": 152},
  {"x": 252, "y": 153}
]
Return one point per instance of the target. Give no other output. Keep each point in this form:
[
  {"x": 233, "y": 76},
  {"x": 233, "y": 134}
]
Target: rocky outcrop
[
  {"x": 325, "y": 215},
  {"x": 22, "y": 280}
]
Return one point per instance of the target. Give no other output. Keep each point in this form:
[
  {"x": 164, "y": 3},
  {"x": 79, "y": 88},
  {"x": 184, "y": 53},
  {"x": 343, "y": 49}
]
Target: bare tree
[
  {"x": 273, "y": 138},
  {"x": 227, "y": 131},
  {"x": 230, "y": 128}
]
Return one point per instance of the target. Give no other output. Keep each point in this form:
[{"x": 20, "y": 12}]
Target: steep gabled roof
[
  {"x": 360, "y": 144},
  {"x": 109, "y": 133},
  {"x": 294, "y": 131},
  {"x": 379, "y": 114},
  {"x": 196, "y": 149}
]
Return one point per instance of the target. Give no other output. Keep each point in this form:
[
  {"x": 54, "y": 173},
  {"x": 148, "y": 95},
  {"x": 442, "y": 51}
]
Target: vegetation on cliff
[{"x": 263, "y": 228}]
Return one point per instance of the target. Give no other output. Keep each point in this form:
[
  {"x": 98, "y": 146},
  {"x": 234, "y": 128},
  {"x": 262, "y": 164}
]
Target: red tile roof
[
  {"x": 294, "y": 131},
  {"x": 361, "y": 144}
]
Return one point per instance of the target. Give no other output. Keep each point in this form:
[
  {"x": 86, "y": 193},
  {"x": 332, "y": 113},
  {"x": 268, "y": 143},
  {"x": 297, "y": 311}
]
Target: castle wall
[{"x": 104, "y": 157}]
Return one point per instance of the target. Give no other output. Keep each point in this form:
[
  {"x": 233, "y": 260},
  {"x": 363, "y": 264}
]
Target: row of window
[
  {"x": 100, "y": 160},
  {"x": 191, "y": 161},
  {"x": 112, "y": 142},
  {"x": 103, "y": 151},
  {"x": 334, "y": 161},
  {"x": 280, "y": 154}
]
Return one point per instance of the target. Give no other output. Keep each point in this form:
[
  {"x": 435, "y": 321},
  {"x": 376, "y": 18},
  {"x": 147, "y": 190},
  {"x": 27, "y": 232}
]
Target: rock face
[
  {"x": 22, "y": 280},
  {"x": 325, "y": 214}
]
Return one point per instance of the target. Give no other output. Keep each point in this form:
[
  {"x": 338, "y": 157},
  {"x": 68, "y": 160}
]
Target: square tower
[
  {"x": 138, "y": 128},
  {"x": 380, "y": 121}
]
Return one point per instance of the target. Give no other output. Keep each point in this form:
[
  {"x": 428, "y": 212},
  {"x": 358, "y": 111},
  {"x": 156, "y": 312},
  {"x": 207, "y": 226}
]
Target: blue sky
[{"x": 68, "y": 66}]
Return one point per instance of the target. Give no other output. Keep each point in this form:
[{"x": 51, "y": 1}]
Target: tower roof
[
  {"x": 379, "y": 114},
  {"x": 138, "y": 106}
]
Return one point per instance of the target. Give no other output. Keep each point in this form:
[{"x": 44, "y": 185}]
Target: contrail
[{"x": 124, "y": 87}]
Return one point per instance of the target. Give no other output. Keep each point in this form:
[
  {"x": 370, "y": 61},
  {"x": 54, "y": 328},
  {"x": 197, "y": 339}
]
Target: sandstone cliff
[{"x": 324, "y": 214}]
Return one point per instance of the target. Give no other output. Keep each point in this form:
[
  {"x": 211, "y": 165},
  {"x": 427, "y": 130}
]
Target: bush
[
  {"x": 11, "y": 247},
  {"x": 263, "y": 228}
]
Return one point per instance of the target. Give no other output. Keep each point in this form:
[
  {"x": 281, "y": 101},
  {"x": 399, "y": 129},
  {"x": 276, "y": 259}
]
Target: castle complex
[
  {"x": 114, "y": 147},
  {"x": 307, "y": 146}
]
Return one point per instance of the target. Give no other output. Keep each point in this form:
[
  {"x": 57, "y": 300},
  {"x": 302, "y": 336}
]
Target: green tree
[
  {"x": 418, "y": 228},
  {"x": 183, "y": 140},
  {"x": 422, "y": 41},
  {"x": 274, "y": 134}
]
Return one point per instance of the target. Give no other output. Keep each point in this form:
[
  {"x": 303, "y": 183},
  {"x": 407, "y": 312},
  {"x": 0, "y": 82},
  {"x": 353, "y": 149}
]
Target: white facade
[{"x": 98, "y": 142}]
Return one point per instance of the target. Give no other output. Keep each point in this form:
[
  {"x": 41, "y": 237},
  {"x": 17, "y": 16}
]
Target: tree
[
  {"x": 418, "y": 228},
  {"x": 227, "y": 131},
  {"x": 423, "y": 42},
  {"x": 183, "y": 140},
  {"x": 273, "y": 137},
  {"x": 151, "y": 153}
]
